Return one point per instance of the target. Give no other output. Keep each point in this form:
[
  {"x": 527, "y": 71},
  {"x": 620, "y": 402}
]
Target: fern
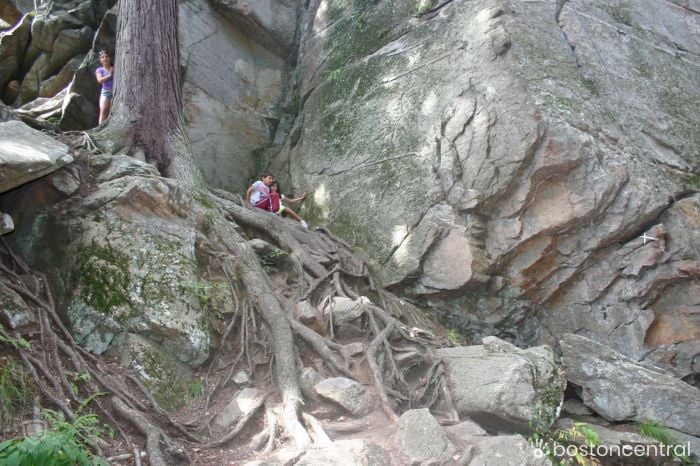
[
  {"x": 65, "y": 444},
  {"x": 659, "y": 433}
]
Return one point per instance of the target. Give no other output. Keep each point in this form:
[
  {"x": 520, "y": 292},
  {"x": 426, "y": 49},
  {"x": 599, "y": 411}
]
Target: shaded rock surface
[
  {"x": 619, "y": 389},
  {"x": 502, "y": 387},
  {"x": 233, "y": 82},
  {"x": 27, "y": 154},
  {"x": 166, "y": 377},
  {"x": 12, "y": 46}
]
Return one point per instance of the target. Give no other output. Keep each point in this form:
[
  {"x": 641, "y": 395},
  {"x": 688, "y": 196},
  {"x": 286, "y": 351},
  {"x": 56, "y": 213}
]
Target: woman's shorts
[
  {"x": 107, "y": 94},
  {"x": 281, "y": 209}
]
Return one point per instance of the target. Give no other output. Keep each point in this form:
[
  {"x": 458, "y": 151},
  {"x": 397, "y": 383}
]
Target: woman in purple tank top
[{"x": 104, "y": 75}]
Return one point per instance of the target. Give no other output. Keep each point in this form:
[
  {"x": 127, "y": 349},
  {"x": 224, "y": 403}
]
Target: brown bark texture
[{"x": 147, "y": 108}]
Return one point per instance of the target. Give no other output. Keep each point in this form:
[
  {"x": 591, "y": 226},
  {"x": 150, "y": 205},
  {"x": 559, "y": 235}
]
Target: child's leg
[{"x": 291, "y": 213}]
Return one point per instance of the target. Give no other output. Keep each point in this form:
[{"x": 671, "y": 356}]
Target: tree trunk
[{"x": 146, "y": 118}]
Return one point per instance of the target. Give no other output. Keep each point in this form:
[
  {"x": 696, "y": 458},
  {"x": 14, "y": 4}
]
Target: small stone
[
  {"x": 239, "y": 407},
  {"x": 346, "y": 310},
  {"x": 6, "y": 224},
  {"x": 241, "y": 378},
  {"x": 356, "y": 347},
  {"x": 345, "y": 392},
  {"x": 307, "y": 380},
  {"x": 305, "y": 312},
  {"x": 576, "y": 407}
]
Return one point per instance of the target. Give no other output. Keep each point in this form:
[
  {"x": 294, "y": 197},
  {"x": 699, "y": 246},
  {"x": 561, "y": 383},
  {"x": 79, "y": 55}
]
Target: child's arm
[
  {"x": 292, "y": 200},
  {"x": 101, "y": 78},
  {"x": 247, "y": 194}
]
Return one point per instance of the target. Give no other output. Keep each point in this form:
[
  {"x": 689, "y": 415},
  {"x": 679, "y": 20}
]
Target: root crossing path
[{"x": 287, "y": 311}]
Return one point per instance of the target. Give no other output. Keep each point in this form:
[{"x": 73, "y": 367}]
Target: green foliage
[
  {"x": 195, "y": 389},
  {"x": 78, "y": 377},
  {"x": 359, "y": 20},
  {"x": 659, "y": 433},
  {"x": 64, "y": 444},
  {"x": 268, "y": 261},
  {"x": 333, "y": 75},
  {"x": 453, "y": 337},
  {"x": 202, "y": 290},
  {"x": 580, "y": 433},
  {"x": 694, "y": 181},
  {"x": 16, "y": 343},
  {"x": 202, "y": 198},
  {"x": 15, "y": 391}
]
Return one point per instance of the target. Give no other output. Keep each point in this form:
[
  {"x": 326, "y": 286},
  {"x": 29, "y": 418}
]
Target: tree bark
[{"x": 146, "y": 119}]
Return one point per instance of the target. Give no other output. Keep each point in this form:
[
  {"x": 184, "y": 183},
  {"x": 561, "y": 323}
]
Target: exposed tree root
[{"x": 399, "y": 343}]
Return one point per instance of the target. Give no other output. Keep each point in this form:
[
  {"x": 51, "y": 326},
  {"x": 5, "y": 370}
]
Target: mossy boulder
[
  {"x": 123, "y": 260},
  {"x": 505, "y": 388}
]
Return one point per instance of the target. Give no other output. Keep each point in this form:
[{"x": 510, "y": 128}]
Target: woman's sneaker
[{"x": 304, "y": 224}]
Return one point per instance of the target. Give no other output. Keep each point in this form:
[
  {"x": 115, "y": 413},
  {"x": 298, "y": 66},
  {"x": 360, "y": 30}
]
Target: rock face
[
  {"x": 234, "y": 62},
  {"x": 620, "y": 389},
  {"x": 27, "y": 154},
  {"x": 498, "y": 165},
  {"x": 502, "y": 387}
]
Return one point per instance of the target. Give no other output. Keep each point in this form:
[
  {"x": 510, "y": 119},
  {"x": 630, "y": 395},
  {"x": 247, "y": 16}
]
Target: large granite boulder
[
  {"x": 499, "y": 161},
  {"x": 620, "y": 389},
  {"x": 27, "y": 154},
  {"x": 124, "y": 260},
  {"x": 504, "y": 388}
]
